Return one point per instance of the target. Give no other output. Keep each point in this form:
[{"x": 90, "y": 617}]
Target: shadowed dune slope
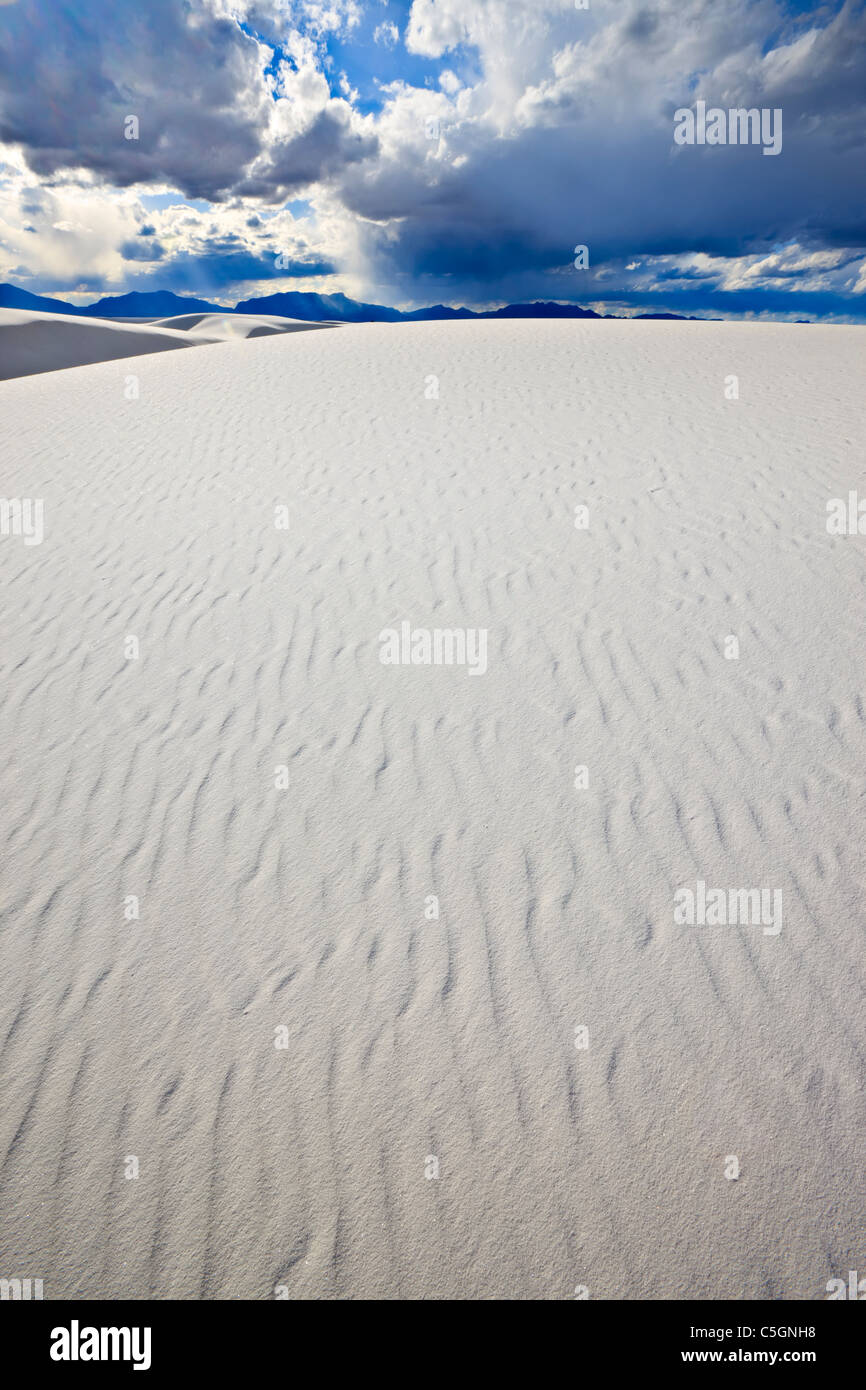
[{"x": 32, "y": 343}]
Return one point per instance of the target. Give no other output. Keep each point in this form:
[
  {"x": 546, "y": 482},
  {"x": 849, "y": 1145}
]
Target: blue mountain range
[{"x": 312, "y": 308}]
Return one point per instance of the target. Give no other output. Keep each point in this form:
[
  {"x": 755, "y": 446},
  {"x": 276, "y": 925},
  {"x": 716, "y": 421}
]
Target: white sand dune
[
  {"x": 32, "y": 342},
  {"x": 304, "y": 908},
  {"x": 227, "y": 327}
]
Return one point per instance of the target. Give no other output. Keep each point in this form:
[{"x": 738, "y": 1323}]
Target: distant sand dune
[
  {"x": 230, "y": 326},
  {"x": 411, "y": 1038},
  {"x": 32, "y": 342}
]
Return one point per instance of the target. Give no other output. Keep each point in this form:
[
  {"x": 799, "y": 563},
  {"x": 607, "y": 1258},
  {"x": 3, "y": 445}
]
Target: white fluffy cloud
[{"x": 386, "y": 33}]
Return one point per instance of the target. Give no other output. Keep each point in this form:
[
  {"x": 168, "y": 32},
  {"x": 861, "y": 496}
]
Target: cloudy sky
[{"x": 414, "y": 152}]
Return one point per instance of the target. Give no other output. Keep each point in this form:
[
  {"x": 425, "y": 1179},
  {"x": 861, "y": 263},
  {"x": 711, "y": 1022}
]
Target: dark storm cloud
[
  {"x": 71, "y": 75},
  {"x": 190, "y": 84},
  {"x": 142, "y": 250},
  {"x": 593, "y": 160},
  {"x": 327, "y": 146}
]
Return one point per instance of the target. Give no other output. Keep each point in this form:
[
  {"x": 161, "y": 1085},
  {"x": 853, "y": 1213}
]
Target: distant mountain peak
[{"x": 151, "y": 304}]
